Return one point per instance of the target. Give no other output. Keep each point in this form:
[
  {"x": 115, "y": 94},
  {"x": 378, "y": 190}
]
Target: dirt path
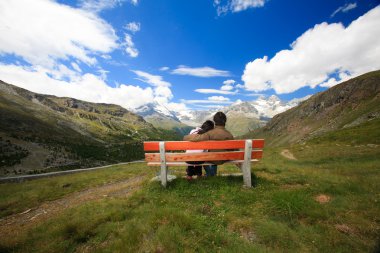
[
  {"x": 59, "y": 173},
  {"x": 12, "y": 225},
  {"x": 287, "y": 154}
]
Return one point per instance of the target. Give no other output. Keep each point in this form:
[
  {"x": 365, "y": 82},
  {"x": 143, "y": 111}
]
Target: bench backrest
[
  {"x": 222, "y": 155},
  {"x": 242, "y": 152}
]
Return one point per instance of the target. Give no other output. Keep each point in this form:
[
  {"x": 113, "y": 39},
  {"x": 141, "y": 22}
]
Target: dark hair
[
  {"x": 206, "y": 126},
  {"x": 220, "y": 119}
]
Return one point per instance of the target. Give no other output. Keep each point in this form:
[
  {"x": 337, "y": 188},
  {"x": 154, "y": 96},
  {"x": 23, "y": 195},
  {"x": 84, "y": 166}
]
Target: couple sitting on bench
[{"x": 207, "y": 132}]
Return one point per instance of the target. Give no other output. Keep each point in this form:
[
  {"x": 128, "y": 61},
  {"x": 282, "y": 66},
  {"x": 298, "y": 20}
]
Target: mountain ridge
[
  {"x": 243, "y": 116},
  {"x": 344, "y": 105},
  {"x": 63, "y": 133}
]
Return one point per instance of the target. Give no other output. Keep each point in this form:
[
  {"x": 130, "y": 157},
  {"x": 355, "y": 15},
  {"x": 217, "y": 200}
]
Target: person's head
[
  {"x": 220, "y": 119},
  {"x": 206, "y": 126}
]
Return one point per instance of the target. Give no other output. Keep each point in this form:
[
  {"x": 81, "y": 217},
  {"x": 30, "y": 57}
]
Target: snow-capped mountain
[
  {"x": 243, "y": 108},
  {"x": 261, "y": 108},
  {"x": 243, "y": 116},
  {"x": 161, "y": 117},
  {"x": 273, "y": 105},
  {"x": 155, "y": 109}
]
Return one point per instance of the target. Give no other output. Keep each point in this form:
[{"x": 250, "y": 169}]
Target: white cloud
[
  {"x": 199, "y": 72},
  {"x": 215, "y": 91},
  {"x": 133, "y": 27},
  {"x": 88, "y": 87},
  {"x": 203, "y": 107},
  {"x": 229, "y": 82},
  {"x": 162, "y": 91},
  {"x": 218, "y": 98},
  {"x": 153, "y": 80},
  {"x": 318, "y": 53},
  {"x": 200, "y": 101},
  {"x": 56, "y": 39},
  {"x": 164, "y": 68},
  {"x": 135, "y": 2},
  {"x": 163, "y": 94},
  {"x": 130, "y": 46},
  {"x": 99, "y": 5},
  {"x": 227, "y": 87},
  {"x": 44, "y": 32},
  {"x": 241, "y": 5},
  {"x": 239, "y": 86},
  {"x": 345, "y": 8},
  {"x": 237, "y": 5},
  {"x": 177, "y": 107}
]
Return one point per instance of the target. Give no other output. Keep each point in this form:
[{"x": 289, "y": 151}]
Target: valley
[
  {"x": 42, "y": 133},
  {"x": 316, "y": 188}
]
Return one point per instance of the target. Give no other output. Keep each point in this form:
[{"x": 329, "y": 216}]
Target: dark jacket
[{"x": 219, "y": 133}]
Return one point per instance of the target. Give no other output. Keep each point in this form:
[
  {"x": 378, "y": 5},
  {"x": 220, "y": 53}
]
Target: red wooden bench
[{"x": 170, "y": 153}]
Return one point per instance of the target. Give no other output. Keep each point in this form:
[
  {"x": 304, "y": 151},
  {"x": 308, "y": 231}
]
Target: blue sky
[{"x": 181, "y": 53}]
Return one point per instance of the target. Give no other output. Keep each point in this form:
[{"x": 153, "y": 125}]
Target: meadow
[{"x": 326, "y": 198}]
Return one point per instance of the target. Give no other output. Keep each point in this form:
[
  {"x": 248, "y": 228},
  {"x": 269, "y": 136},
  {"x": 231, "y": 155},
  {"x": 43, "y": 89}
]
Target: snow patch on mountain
[
  {"x": 262, "y": 108},
  {"x": 155, "y": 109}
]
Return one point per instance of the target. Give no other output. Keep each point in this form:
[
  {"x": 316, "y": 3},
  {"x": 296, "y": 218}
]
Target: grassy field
[{"x": 327, "y": 200}]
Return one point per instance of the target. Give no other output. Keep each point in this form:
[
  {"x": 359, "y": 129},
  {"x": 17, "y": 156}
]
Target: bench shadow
[{"x": 215, "y": 181}]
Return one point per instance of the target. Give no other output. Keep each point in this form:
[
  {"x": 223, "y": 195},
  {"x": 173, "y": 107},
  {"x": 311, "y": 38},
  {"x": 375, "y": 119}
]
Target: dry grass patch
[{"x": 323, "y": 199}]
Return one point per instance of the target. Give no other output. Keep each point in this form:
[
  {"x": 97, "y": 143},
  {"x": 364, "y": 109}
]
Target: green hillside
[
  {"x": 324, "y": 199},
  {"x": 316, "y": 194},
  {"x": 344, "y": 106},
  {"x": 42, "y": 133},
  {"x": 239, "y": 125},
  {"x": 167, "y": 123}
]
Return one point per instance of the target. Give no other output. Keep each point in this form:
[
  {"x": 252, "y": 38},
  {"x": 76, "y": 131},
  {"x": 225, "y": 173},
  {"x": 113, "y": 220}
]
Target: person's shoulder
[{"x": 230, "y": 136}]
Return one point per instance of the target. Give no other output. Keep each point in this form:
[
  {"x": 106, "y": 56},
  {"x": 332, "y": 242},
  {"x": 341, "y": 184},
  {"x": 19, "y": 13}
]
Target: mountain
[
  {"x": 161, "y": 117},
  {"x": 350, "y": 106},
  {"x": 272, "y": 106},
  {"x": 243, "y": 117},
  {"x": 155, "y": 109},
  {"x": 42, "y": 132}
]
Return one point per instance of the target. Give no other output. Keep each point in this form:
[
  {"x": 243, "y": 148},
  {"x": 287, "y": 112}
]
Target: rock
[
  {"x": 343, "y": 228},
  {"x": 322, "y": 198}
]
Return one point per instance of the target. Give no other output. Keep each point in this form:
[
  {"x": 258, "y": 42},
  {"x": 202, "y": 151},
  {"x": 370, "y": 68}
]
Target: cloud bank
[
  {"x": 324, "y": 55},
  {"x": 88, "y": 87},
  {"x": 55, "y": 45},
  {"x": 49, "y": 31},
  {"x": 199, "y": 72}
]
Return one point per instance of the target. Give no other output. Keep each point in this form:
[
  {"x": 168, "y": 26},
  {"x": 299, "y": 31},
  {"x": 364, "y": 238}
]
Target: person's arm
[{"x": 197, "y": 137}]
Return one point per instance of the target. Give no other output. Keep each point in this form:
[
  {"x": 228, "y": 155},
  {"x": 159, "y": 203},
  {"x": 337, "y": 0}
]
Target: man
[{"x": 219, "y": 133}]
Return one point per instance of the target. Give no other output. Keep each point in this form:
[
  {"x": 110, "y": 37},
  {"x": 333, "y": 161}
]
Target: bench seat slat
[
  {"x": 207, "y": 156},
  {"x": 208, "y": 145},
  {"x": 172, "y": 164}
]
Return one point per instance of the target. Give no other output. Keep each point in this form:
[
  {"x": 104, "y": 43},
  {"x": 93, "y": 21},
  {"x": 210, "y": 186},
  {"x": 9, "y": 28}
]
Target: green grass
[
  {"x": 18, "y": 197},
  {"x": 280, "y": 214}
]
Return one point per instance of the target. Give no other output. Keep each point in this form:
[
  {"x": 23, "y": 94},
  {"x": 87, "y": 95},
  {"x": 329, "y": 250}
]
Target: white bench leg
[
  {"x": 246, "y": 166},
  {"x": 164, "y": 178}
]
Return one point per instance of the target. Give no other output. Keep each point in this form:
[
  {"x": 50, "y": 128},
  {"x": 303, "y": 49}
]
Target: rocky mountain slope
[
  {"x": 243, "y": 116},
  {"x": 161, "y": 117},
  {"x": 348, "y": 105},
  {"x": 42, "y": 132}
]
